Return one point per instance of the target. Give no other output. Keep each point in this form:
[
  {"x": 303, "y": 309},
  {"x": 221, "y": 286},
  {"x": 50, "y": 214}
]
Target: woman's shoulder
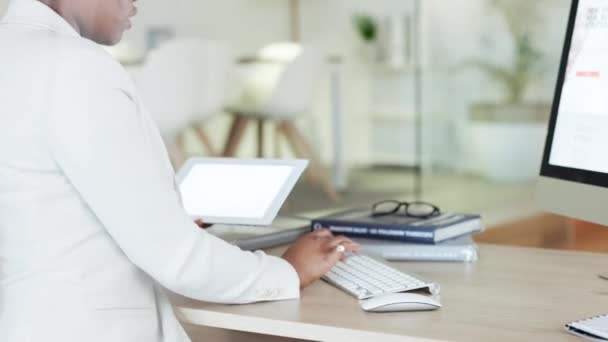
[{"x": 84, "y": 60}]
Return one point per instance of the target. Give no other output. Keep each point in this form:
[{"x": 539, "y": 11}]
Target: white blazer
[{"x": 91, "y": 227}]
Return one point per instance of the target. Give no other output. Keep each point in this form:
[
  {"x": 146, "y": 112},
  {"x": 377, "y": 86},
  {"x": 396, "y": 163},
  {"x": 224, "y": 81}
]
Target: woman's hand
[
  {"x": 201, "y": 224},
  {"x": 316, "y": 253}
]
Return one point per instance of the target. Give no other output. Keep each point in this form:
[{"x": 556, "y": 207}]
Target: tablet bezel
[{"x": 298, "y": 167}]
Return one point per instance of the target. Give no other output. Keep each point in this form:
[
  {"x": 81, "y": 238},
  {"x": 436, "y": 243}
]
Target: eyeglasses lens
[
  {"x": 386, "y": 208},
  {"x": 420, "y": 210}
]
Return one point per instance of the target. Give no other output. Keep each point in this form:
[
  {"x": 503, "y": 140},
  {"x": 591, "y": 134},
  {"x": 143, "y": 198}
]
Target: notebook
[
  {"x": 461, "y": 249},
  {"x": 594, "y": 328}
]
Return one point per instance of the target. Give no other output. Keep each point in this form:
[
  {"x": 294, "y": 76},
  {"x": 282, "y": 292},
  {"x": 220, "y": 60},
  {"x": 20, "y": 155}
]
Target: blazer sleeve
[{"x": 103, "y": 143}]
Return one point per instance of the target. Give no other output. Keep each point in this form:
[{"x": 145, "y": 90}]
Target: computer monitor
[{"x": 574, "y": 175}]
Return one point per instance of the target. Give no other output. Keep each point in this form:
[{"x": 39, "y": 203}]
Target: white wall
[{"x": 244, "y": 23}]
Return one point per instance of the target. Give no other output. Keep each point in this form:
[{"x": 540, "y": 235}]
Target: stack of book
[{"x": 445, "y": 237}]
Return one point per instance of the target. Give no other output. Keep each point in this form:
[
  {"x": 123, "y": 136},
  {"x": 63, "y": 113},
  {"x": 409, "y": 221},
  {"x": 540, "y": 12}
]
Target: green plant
[
  {"x": 522, "y": 17},
  {"x": 366, "y": 27}
]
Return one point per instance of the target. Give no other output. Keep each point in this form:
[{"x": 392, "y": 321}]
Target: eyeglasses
[{"x": 413, "y": 209}]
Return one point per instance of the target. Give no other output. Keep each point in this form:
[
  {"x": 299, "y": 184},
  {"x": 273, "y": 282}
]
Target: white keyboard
[{"x": 364, "y": 277}]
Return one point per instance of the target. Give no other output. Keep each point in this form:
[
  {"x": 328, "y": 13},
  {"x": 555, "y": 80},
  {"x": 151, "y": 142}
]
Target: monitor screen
[{"x": 578, "y": 131}]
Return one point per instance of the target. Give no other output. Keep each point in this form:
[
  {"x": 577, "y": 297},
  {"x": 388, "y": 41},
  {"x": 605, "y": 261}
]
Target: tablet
[{"x": 237, "y": 191}]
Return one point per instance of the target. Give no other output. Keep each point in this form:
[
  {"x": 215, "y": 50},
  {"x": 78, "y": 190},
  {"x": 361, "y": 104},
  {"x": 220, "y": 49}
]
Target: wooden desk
[{"x": 511, "y": 294}]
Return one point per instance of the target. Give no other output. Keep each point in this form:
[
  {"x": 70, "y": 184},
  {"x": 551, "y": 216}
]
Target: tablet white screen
[{"x": 232, "y": 190}]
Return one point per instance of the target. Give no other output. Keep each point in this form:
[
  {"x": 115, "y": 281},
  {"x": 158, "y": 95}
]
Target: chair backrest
[
  {"x": 217, "y": 79},
  {"x": 295, "y": 72},
  {"x": 284, "y": 52},
  {"x": 296, "y": 88},
  {"x": 184, "y": 80}
]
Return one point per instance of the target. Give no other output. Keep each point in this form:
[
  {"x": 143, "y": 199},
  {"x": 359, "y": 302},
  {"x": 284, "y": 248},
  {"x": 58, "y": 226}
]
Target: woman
[{"x": 91, "y": 226}]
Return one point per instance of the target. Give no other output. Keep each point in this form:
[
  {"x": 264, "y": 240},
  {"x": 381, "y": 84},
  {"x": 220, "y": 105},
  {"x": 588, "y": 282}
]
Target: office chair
[
  {"x": 280, "y": 89},
  {"x": 184, "y": 83}
]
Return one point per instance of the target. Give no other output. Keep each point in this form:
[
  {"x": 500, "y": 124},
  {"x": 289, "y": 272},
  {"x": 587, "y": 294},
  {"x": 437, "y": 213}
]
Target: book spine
[{"x": 376, "y": 232}]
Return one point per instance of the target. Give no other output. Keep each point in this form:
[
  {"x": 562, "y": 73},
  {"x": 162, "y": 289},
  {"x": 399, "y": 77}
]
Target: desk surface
[{"x": 511, "y": 294}]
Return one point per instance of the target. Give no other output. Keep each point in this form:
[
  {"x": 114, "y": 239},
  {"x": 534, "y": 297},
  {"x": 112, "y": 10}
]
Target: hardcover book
[{"x": 360, "y": 223}]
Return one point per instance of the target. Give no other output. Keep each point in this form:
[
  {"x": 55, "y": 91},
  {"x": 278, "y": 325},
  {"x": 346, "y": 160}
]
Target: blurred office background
[{"x": 444, "y": 101}]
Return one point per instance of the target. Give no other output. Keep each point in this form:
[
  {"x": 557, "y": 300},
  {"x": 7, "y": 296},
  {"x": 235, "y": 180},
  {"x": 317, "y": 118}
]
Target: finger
[
  {"x": 351, "y": 246},
  {"x": 333, "y": 257},
  {"x": 346, "y": 247},
  {"x": 339, "y": 251},
  {"x": 340, "y": 240},
  {"x": 354, "y": 248},
  {"x": 323, "y": 233}
]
